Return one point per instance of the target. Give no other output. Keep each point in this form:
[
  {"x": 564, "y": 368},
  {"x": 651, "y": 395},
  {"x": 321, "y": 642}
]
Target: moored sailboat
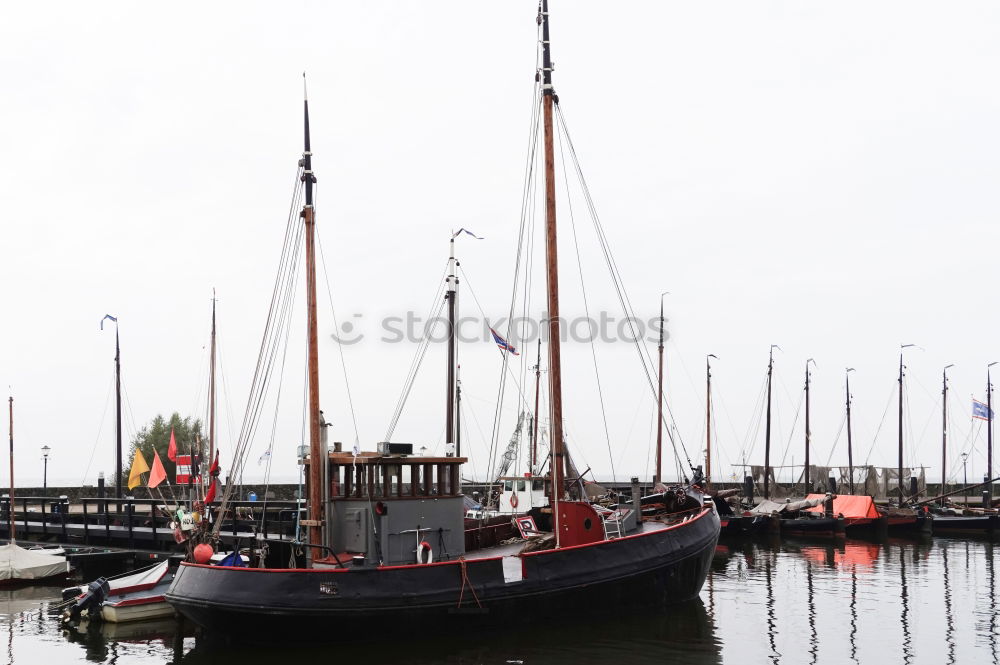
[
  {"x": 386, "y": 543},
  {"x": 17, "y": 564}
]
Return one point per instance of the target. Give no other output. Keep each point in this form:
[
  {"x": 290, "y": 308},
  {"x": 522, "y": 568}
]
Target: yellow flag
[{"x": 139, "y": 467}]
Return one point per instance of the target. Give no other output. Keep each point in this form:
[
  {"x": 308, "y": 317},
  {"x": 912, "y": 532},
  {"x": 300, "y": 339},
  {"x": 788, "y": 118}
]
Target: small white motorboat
[{"x": 133, "y": 597}]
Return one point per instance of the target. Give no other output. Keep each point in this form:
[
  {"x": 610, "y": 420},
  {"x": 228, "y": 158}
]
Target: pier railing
[{"x": 137, "y": 523}]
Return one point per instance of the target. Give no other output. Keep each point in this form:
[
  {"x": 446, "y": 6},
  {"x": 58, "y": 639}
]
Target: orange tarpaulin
[{"x": 848, "y": 505}]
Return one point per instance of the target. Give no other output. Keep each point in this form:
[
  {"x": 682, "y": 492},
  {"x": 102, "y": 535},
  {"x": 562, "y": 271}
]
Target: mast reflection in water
[{"x": 899, "y": 601}]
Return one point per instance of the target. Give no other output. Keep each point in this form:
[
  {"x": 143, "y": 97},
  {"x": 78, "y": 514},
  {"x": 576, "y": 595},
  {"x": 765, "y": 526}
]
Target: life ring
[
  {"x": 425, "y": 548},
  {"x": 513, "y": 501}
]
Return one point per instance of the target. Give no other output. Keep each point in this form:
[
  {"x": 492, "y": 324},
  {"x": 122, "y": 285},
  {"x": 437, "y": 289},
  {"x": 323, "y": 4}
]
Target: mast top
[
  {"x": 543, "y": 20},
  {"x": 307, "y": 173},
  {"x": 665, "y": 293}
]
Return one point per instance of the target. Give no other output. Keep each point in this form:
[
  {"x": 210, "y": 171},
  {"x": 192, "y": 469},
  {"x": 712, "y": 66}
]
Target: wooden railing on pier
[{"x": 137, "y": 523}]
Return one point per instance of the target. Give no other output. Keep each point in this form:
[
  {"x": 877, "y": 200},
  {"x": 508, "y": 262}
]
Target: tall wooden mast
[
  {"x": 659, "y": 407},
  {"x": 549, "y": 99},
  {"x": 458, "y": 411},
  {"x": 850, "y": 453},
  {"x": 316, "y": 453},
  {"x": 989, "y": 436},
  {"x": 767, "y": 427},
  {"x": 534, "y": 424},
  {"x": 449, "y": 296},
  {"x": 944, "y": 430},
  {"x": 900, "y": 462},
  {"x": 118, "y": 409},
  {"x": 902, "y": 489},
  {"x": 708, "y": 418},
  {"x": 808, "y": 431},
  {"x": 10, "y": 504},
  {"x": 211, "y": 397}
]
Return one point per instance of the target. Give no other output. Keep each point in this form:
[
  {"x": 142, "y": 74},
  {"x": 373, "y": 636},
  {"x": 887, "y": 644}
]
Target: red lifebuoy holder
[
  {"x": 513, "y": 501},
  {"x": 424, "y": 552}
]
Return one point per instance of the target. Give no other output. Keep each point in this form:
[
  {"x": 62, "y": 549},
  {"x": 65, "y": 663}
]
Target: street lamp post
[{"x": 45, "y": 472}]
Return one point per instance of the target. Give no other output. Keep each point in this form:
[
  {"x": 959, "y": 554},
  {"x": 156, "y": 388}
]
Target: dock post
[
  {"x": 86, "y": 527},
  {"x": 128, "y": 516},
  {"x": 63, "y": 515}
]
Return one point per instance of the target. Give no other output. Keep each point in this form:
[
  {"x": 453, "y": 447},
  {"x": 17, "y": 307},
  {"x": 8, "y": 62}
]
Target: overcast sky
[{"x": 820, "y": 176}]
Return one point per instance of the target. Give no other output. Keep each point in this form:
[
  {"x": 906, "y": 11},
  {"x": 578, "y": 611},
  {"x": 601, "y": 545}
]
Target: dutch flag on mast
[{"x": 503, "y": 344}]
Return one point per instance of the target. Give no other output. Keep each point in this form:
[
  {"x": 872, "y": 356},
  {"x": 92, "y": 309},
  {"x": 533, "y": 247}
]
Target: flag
[
  {"x": 210, "y": 497},
  {"x": 503, "y": 344},
  {"x": 466, "y": 232},
  {"x": 214, "y": 469},
  {"x": 106, "y": 317},
  {"x": 158, "y": 474},
  {"x": 980, "y": 410},
  {"x": 139, "y": 467},
  {"x": 172, "y": 448},
  {"x": 263, "y": 458}
]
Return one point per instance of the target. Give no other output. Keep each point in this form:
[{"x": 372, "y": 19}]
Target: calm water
[{"x": 899, "y": 601}]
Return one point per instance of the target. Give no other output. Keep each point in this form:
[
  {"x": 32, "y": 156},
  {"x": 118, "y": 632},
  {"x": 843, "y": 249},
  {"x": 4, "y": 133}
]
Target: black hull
[
  {"x": 985, "y": 525},
  {"x": 825, "y": 527},
  {"x": 653, "y": 567}
]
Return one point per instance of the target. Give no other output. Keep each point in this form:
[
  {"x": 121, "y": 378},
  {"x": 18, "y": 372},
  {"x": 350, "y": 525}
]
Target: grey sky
[{"x": 816, "y": 175}]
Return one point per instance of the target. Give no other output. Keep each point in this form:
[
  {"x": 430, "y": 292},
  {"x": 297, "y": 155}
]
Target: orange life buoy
[
  {"x": 422, "y": 548},
  {"x": 513, "y": 501}
]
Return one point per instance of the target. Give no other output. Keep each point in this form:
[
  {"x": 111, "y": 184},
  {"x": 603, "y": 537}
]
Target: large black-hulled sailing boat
[{"x": 386, "y": 534}]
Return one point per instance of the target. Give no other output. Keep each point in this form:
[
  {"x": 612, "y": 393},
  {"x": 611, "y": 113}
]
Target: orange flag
[
  {"x": 172, "y": 448},
  {"x": 158, "y": 474}
]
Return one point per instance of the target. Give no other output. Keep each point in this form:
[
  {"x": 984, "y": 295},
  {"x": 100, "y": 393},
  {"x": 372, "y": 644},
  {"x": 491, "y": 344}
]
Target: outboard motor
[{"x": 91, "y": 599}]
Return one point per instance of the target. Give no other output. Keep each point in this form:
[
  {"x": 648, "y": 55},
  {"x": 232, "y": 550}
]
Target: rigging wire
[
  {"x": 437, "y": 303},
  {"x": 526, "y": 225},
  {"x": 277, "y": 318},
  {"x": 618, "y": 283},
  {"x": 418, "y": 359},
  {"x": 100, "y": 428},
  {"x": 879, "y": 429},
  {"x": 340, "y": 346},
  {"x": 586, "y": 306}
]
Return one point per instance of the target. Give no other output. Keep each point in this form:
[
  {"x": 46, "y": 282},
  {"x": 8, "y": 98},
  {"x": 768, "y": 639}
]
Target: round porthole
[{"x": 587, "y": 524}]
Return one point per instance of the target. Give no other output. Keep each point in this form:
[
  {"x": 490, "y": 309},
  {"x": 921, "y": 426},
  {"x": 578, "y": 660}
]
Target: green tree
[{"x": 187, "y": 432}]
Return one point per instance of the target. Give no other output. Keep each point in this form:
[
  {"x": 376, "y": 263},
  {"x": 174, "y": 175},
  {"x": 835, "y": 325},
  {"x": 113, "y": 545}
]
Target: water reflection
[
  {"x": 854, "y": 616},
  {"x": 949, "y": 618},
  {"x": 772, "y": 621},
  {"x": 788, "y": 603},
  {"x": 904, "y": 615},
  {"x": 683, "y": 634},
  {"x": 811, "y": 611},
  {"x": 991, "y": 593}
]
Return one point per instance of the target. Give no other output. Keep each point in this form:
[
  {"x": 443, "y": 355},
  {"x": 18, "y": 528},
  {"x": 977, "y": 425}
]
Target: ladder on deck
[{"x": 612, "y": 520}]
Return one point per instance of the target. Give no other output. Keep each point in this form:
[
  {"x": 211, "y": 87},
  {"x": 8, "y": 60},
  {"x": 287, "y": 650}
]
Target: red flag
[
  {"x": 158, "y": 474},
  {"x": 172, "y": 448},
  {"x": 214, "y": 469},
  {"x": 210, "y": 497}
]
